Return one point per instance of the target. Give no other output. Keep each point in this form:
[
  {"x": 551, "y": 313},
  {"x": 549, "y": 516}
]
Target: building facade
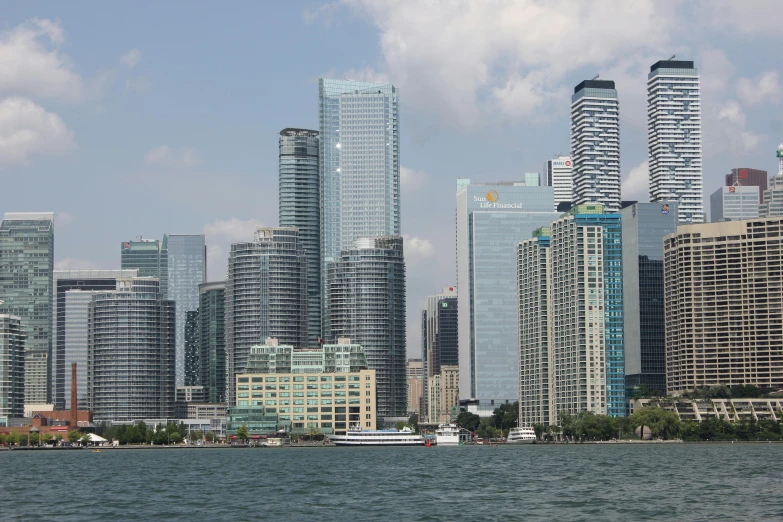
[
  {"x": 439, "y": 337},
  {"x": 773, "y": 196},
  {"x": 414, "y": 375},
  {"x": 674, "y": 137},
  {"x": 723, "y": 296},
  {"x": 131, "y": 352},
  {"x": 299, "y": 207},
  {"x": 12, "y": 352},
  {"x": 192, "y": 350},
  {"x": 150, "y": 257},
  {"x": 558, "y": 174},
  {"x": 491, "y": 219},
  {"x": 26, "y": 279},
  {"x": 366, "y": 303},
  {"x": 748, "y": 177},
  {"x": 595, "y": 144},
  {"x": 212, "y": 340},
  {"x": 734, "y": 203},
  {"x": 443, "y": 395}
]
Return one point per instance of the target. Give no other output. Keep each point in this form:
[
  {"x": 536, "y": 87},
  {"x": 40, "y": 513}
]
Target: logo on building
[
  {"x": 493, "y": 196},
  {"x": 568, "y": 163},
  {"x": 664, "y": 209},
  {"x": 126, "y": 246},
  {"x": 732, "y": 189}
]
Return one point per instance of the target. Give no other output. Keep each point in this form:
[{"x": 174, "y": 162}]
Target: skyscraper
[
  {"x": 748, "y": 177},
  {"x": 595, "y": 144},
  {"x": 150, "y": 257},
  {"x": 558, "y": 174},
  {"x": 773, "y": 196},
  {"x": 187, "y": 268},
  {"x": 73, "y": 291},
  {"x": 266, "y": 295},
  {"x": 192, "y": 351},
  {"x": 734, "y": 203},
  {"x": 366, "y": 303},
  {"x": 131, "y": 352},
  {"x": 12, "y": 339},
  {"x": 212, "y": 340},
  {"x": 491, "y": 219},
  {"x": 674, "y": 137},
  {"x": 299, "y": 208},
  {"x": 439, "y": 337},
  {"x": 26, "y": 266}
]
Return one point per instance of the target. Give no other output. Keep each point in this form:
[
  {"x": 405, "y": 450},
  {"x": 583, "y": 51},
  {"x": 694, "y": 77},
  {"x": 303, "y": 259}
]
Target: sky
[{"x": 143, "y": 118}]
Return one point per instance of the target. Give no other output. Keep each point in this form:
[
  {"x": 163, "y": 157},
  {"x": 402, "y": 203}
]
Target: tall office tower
[
  {"x": 26, "y": 266},
  {"x": 558, "y": 174},
  {"x": 150, "y": 257},
  {"x": 723, "y": 299},
  {"x": 300, "y": 208},
  {"x": 644, "y": 227},
  {"x": 12, "y": 340},
  {"x": 439, "y": 337},
  {"x": 192, "y": 351},
  {"x": 131, "y": 351},
  {"x": 773, "y": 196},
  {"x": 187, "y": 268},
  {"x": 266, "y": 295},
  {"x": 212, "y": 340},
  {"x": 73, "y": 290},
  {"x": 366, "y": 303},
  {"x": 674, "y": 137},
  {"x": 748, "y": 177},
  {"x": 533, "y": 179},
  {"x": 734, "y": 203},
  {"x": 491, "y": 219},
  {"x": 535, "y": 371},
  {"x": 414, "y": 375},
  {"x": 595, "y": 144}
]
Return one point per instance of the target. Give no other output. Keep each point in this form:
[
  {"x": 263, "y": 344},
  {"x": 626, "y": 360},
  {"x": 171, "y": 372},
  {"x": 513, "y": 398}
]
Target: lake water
[{"x": 537, "y": 482}]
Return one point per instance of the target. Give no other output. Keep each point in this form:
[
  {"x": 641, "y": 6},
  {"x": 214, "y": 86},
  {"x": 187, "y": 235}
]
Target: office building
[
  {"x": 723, "y": 295},
  {"x": 748, "y": 177},
  {"x": 734, "y": 203},
  {"x": 558, "y": 174},
  {"x": 12, "y": 341},
  {"x": 299, "y": 207},
  {"x": 439, "y": 337},
  {"x": 73, "y": 291},
  {"x": 443, "y": 396},
  {"x": 366, "y": 303},
  {"x": 187, "y": 269},
  {"x": 192, "y": 350},
  {"x": 266, "y": 295},
  {"x": 150, "y": 257},
  {"x": 773, "y": 196},
  {"x": 674, "y": 137},
  {"x": 532, "y": 179},
  {"x": 414, "y": 375},
  {"x": 212, "y": 340},
  {"x": 595, "y": 144},
  {"x": 26, "y": 266},
  {"x": 131, "y": 352},
  {"x": 491, "y": 220},
  {"x": 644, "y": 225}
]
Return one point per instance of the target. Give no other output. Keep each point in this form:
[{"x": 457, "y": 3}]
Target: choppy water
[{"x": 538, "y": 482}]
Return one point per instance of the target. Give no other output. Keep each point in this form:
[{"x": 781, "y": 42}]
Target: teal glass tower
[{"x": 150, "y": 257}]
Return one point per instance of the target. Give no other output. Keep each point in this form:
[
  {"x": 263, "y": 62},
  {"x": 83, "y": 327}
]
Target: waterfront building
[
  {"x": 443, "y": 394},
  {"x": 491, "y": 220},
  {"x": 212, "y": 340},
  {"x": 558, "y": 174},
  {"x": 150, "y": 257},
  {"x": 595, "y": 144},
  {"x": 773, "y": 196},
  {"x": 26, "y": 267},
  {"x": 73, "y": 291},
  {"x": 723, "y": 298},
  {"x": 187, "y": 269},
  {"x": 266, "y": 295},
  {"x": 748, "y": 177},
  {"x": 131, "y": 352},
  {"x": 12, "y": 352},
  {"x": 439, "y": 338},
  {"x": 415, "y": 378},
  {"x": 734, "y": 203},
  {"x": 644, "y": 225},
  {"x": 300, "y": 207},
  {"x": 185, "y": 394},
  {"x": 732, "y": 410},
  {"x": 366, "y": 303},
  {"x": 674, "y": 137}
]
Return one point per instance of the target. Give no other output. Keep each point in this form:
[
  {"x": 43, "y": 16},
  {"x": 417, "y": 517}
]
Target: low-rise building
[{"x": 732, "y": 410}]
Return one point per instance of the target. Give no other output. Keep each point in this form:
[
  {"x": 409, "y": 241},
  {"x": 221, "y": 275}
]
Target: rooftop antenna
[
  {"x": 672, "y": 58},
  {"x": 597, "y": 76}
]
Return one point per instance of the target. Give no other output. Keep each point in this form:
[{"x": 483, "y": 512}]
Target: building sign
[
  {"x": 732, "y": 189},
  {"x": 664, "y": 209},
  {"x": 126, "y": 246},
  {"x": 566, "y": 163}
]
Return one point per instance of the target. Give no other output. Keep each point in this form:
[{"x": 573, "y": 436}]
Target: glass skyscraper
[
  {"x": 12, "y": 339},
  {"x": 299, "y": 207},
  {"x": 26, "y": 267},
  {"x": 439, "y": 339},
  {"x": 212, "y": 340},
  {"x": 150, "y": 257}
]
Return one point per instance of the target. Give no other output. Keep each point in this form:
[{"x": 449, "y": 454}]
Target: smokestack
[{"x": 74, "y": 415}]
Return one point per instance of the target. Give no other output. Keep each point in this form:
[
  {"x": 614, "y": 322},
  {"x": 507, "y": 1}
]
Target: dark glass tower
[
  {"x": 212, "y": 341},
  {"x": 192, "y": 355}
]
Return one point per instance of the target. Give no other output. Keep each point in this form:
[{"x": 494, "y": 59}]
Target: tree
[
  {"x": 506, "y": 416},
  {"x": 242, "y": 433},
  {"x": 12, "y": 438},
  {"x": 399, "y": 426},
  {"x": 3, "y": 439},
  {"x": 196, "y": 435},
  {"x": 210, "y": 436},
  {"x": 74, "y": 436},
  {"x": 413, "y": 421},
  {"x": 34, "y": 438},
  {"x": 469, "y": 421},
  {"x": 539, "y": 429},
  {"x": 85, "y": 440},
  {"x": 487, "y": 429},
  {"x": 58, "y": 438}
]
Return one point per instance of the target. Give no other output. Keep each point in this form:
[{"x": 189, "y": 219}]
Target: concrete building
[
  {"x": 734, "y": 203},
  {"x": 595, "y": 144},
  {"x": 12, "y": 342},
  {"x": 414, "y": 375},
  {"x": 150, "y": 257},
  {"x": 439, "y": 338},
  {"x": 443, "y": 397},
  {"x": 26, "y": 267},
  {"x": 748, "y": 177},
  {"x": 773, "y": 196},
  {"x": 644, "y": 225},
  {"x": 212, "y": 340},
  {"x": 491, "y": 220},
  {"x": 558, "y": 174},
  {"x": 674, "y": 137},
  {"x": 733, "y": 410},
  {"x": 723, "y": 296}
]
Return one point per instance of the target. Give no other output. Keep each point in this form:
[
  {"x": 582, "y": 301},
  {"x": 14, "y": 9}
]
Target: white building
[
  {"x": 734, "y": 203},
  {"x": 674, "y": 137},
  {"x": 558, "y": 174}
]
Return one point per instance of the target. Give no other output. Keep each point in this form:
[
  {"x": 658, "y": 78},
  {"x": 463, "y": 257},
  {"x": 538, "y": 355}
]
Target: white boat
[
  {"x": 521, "y": 435},
  {"x": 359, "y": 437},
  {"x": 447, "y": 435}
]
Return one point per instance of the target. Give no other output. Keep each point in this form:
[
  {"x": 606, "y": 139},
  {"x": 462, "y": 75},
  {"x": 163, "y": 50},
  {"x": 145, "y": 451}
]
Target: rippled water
[{"x": 557, "y": 483}]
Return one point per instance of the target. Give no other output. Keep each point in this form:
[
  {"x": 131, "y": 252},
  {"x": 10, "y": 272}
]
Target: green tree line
[{"x": 142, "y": 434}]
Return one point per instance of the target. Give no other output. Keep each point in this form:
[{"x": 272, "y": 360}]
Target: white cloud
[
  {"x": 131, "y": 58},
  {"x": 26, "y": 130},
  {"x": 137, "y": 84},
  {"x": 411, "y": 180},
  {"x": 417, "y": 249},
  {"x": 716, "y": 71},
  {"x": 725, "y": 130},
  {"x": 755, "y": 17},
  {"x": 764, "y": 89},
  {"x": 635, "y": 186},
  {"x": 164, "y": 156},
  {"x": 732, "y": 112},
  {"x": 70, "y": 263}
]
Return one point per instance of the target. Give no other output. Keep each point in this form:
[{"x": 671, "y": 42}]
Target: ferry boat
[
  {"x": 447, "y": 435},
  {"x": 521, "y": 435},
  {"x": 359, "y": 437}
]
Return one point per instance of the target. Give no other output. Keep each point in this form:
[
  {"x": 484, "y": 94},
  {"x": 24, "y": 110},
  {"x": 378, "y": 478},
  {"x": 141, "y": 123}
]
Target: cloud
[
  {"x": 411, "y": 180},
  {"x": 732, "y": 112},
  {"x": 27, "y": 130},
  {"x": 725, "y": 130},
  {"x": 137, "y": 84},
  {"x": 417, "y": 249},
  {"x": 164, "y": 156},
  {"x": 219, "y": 237},
  {"x": 636, "y": 184},
  {"x": 70, "y": 263},
  {"x": 131, "y": 58},
  {"x": 754, "y": 18},
  {"x": 764, "y": 89},
  {"x": 63, "y": 219}
]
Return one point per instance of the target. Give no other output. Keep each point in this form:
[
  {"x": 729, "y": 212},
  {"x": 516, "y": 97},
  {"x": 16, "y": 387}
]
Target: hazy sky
[{"x": 139, "y": 118}]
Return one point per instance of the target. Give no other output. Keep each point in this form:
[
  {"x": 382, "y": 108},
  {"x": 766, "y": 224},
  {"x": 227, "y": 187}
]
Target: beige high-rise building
[
  {"x": 414, "y": 376},
  {"x": 443, "y": 391},
  {"x": 723, "y": 285}
]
